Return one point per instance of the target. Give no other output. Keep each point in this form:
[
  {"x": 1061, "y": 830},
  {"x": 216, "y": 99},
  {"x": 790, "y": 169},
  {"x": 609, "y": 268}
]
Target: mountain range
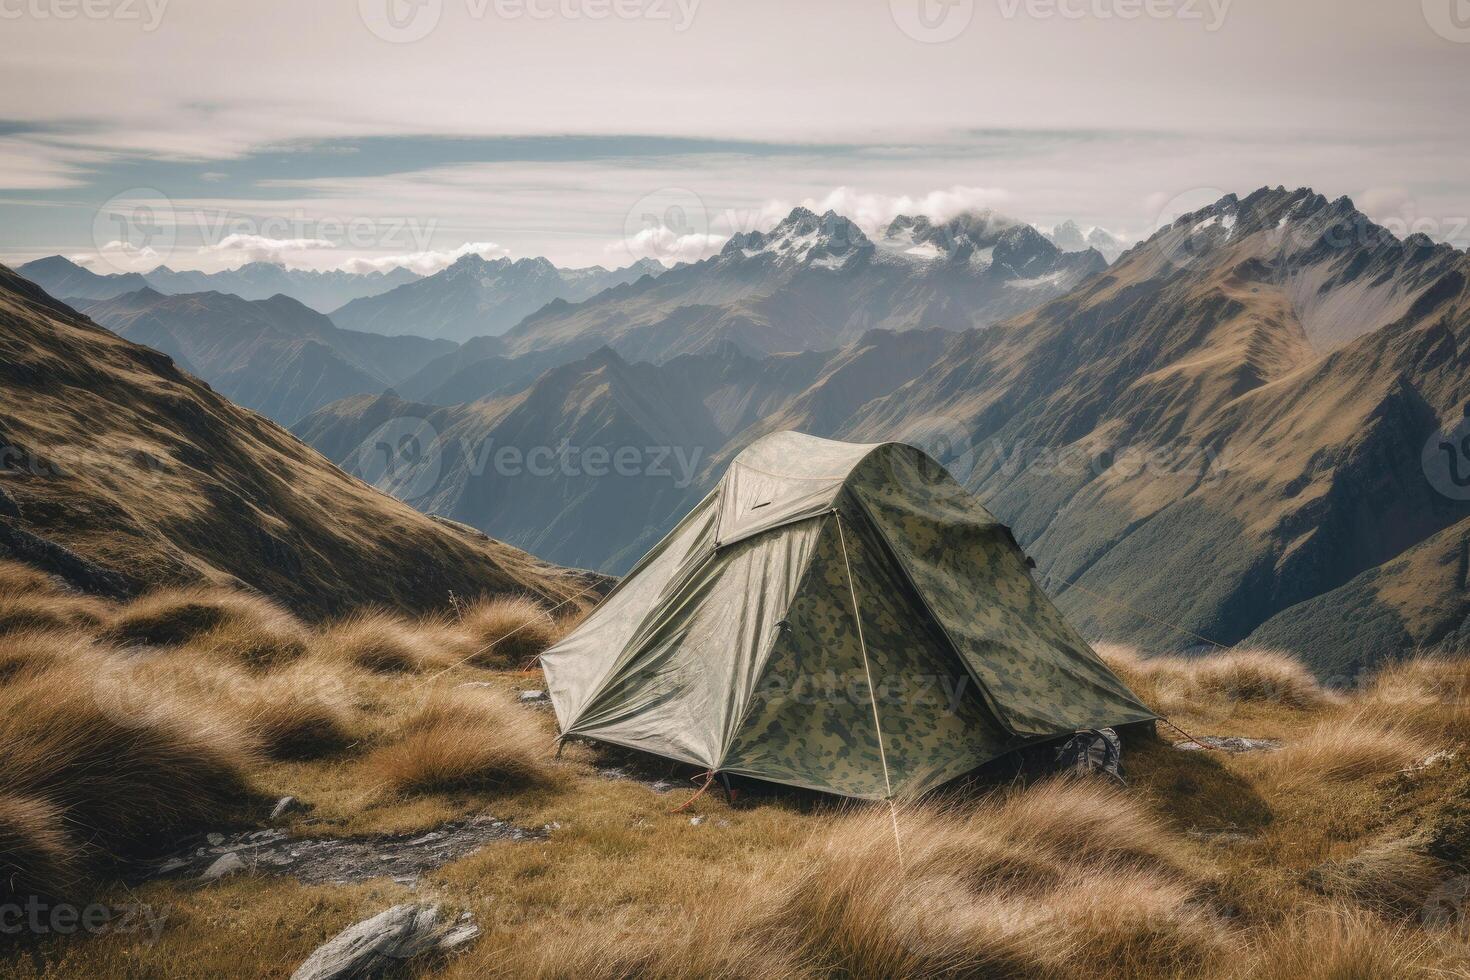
[
  {"x": 481, "y": 297},
  {"x": 816, "y": 282},
  {"x": 1222, "y": 436},
  {"x": 120, "y": 472},
  {"x": 322, "y": 291},
  {"x": 274, "y": 356}
]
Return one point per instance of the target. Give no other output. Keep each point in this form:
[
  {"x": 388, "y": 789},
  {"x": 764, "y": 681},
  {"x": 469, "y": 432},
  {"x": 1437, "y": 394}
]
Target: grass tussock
[
  {"x": 464, "y": 738},
  {"x": 1339, "y": 943},
  {"x": 1343, "y": 750},
  {"x": 1067, "y": 879},
  {"x": 509, "y": 631},
  {"x": 302, "y": 713},
  {"x": 26, "y": 653},
  {"x": 1389, "y": 876},
  {"x": 389, "y": 644},
  {"x": 49, "y": 611},
  {"x": 17, "y": 578},
  {"x": 1427, "y": 695},
  {"x": 1235, "y": 677},
  {"x": 247, "y": 628},
  {"x": 125, "y": 768},
  {"x": 36, "y": 857}
]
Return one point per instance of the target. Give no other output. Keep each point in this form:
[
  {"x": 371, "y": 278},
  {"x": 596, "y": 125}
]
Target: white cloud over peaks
[
  {"x": 258, "y": 248},
  {"x": 874, "y": 212},
  {"x": 425, "y": 263},
  {"x": 119, "y": 256},
  {"x": 666, "y": 245}
]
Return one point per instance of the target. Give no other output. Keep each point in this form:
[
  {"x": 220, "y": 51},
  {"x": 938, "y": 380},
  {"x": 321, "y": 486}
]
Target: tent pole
[{"x": 872, "y": 691}]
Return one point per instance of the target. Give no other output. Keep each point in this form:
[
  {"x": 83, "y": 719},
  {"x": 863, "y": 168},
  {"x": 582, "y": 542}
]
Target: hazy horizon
[{"x": 595, "y": 132}]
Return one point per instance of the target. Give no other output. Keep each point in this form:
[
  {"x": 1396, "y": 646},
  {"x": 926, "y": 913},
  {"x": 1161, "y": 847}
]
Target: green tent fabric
[{"x": 838, "y": 617}]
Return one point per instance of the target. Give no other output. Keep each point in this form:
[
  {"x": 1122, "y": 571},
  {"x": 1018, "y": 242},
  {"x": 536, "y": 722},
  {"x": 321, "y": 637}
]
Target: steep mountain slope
[
  {"x": 475, "y": 297},
  {"x": 1227, "y": 424},
  {"x": 274, "y": 356},
  {"x": 816, "y": 282},
  {"x": 322, "y": 291},
  {"x": 602, "y": 456},
  {"x": 119, "y": 472},
  {"x": 60, "y": 276}
]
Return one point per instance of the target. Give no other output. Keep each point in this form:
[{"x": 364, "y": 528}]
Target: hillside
[
  {"x": 563, "y": 494},
  {"x": 481, "y": 297},
  {"x": 1238, "y": 405},
  {"x": 122, "y": 472},
  {"x": 274, "y": 356}
]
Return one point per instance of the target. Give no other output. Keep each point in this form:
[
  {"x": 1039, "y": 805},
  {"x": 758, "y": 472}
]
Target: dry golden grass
[
  {"x": 509, "y": 632},
  {"x": 1389, "y": 876},
  {"x": 385, "y": 643},
  {"x": 1233, "y": 677},
  {"x": 1341, "y": 750},
  {"x": 1427, "y": 695},
  {"x": 1340, "y": 944},
  {"x": 125, "y": 767},
  {"x": 464, "y": 738},
  {"x": 49, "y": 611},
  {"x": 247, "y": 628},
  {"x": 18, "y": 578},
  {"x": 36, "y": 856},
  {"x": 123, "y": 750}
]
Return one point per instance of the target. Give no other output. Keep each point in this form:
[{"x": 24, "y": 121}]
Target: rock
[
  {"x": 285, "y": 806},
  {"x": 481, "y": 684},
  {"x": 696, "y": 821},
  {"x": 533, "y": 697},
  {"x": 215, "y": 840},
  {"x": 382, "y": 943},
  {"x": 1229, "y": 743},
  {"x": 225, "y": 864}
]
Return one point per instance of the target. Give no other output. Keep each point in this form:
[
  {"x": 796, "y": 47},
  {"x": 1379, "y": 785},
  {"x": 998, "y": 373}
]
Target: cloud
[
  {"x": 874, "y": 212},
  {"x": 119, "y": 256},
  {"x": 425, "y": 263},
  {"x": 667, "y": 246},
  {"x": 259, "y": 248}
]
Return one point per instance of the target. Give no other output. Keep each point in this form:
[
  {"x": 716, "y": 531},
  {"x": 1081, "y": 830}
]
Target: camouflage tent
[{"x": 839, "y": 617}]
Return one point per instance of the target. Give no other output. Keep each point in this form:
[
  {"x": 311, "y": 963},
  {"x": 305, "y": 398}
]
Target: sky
[{"x": 362, "y": 134}]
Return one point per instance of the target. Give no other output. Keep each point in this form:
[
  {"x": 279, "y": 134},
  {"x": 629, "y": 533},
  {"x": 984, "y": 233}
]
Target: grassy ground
[{"x": 1339, "y": 856}]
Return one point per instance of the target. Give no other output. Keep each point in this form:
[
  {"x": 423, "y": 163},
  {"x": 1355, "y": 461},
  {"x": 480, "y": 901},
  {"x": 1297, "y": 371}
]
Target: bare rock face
[{"x": 374, "y": 946}]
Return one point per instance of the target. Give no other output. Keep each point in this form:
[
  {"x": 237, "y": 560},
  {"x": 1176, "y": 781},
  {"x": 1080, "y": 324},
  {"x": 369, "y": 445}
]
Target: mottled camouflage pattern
[
  {"x": 1040, "y": 675},
  {"x": 744, "y": 657},
  {"x": 812, "y": 723}
]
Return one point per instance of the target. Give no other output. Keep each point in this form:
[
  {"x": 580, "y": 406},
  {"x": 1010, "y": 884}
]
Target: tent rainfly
[{"x": 839, "y": 617}]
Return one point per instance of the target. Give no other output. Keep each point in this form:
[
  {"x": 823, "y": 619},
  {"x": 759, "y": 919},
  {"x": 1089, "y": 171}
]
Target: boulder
[{"x": 377, "y": 945}]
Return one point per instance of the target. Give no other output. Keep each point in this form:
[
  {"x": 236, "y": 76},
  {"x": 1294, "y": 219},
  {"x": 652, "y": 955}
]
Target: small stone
[
  {"x": 225, "y": 864},
  {"x": 662, "y": 786},
  {"x": 481, "y": 684},
  {"x": 696, "y": 821},
  {"x": 285, "y": 806},
  {"x": 532, "y": 697},
  {"x": 215, "y": 840}
]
